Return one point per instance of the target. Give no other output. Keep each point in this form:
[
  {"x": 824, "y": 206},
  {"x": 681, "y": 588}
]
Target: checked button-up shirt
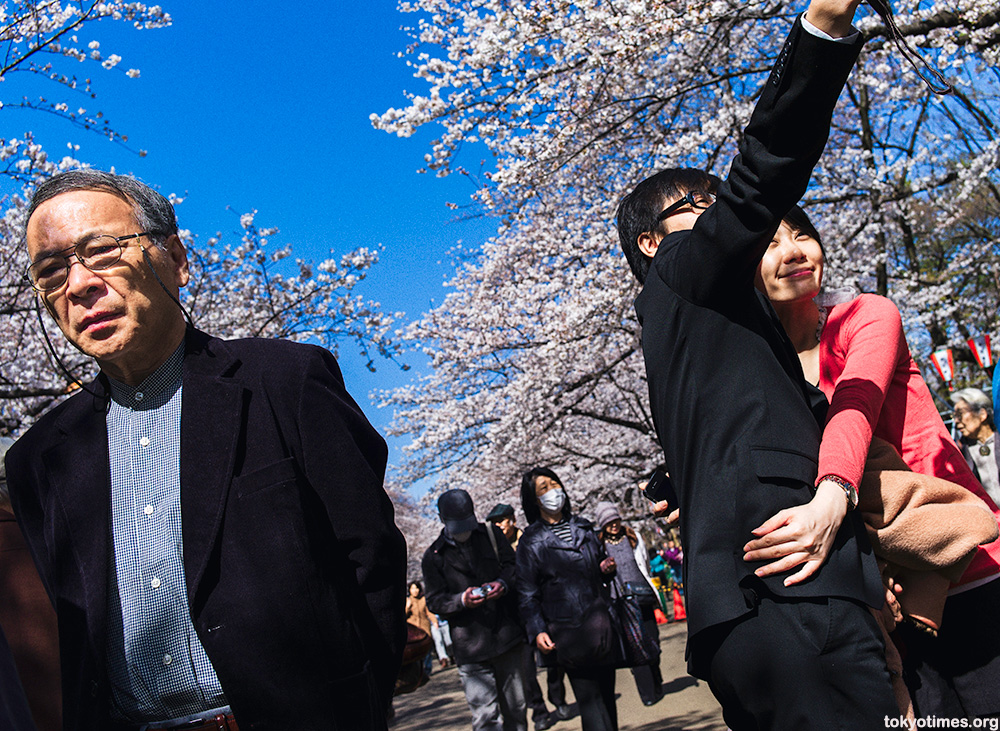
[{"x": 158, "y": 667}]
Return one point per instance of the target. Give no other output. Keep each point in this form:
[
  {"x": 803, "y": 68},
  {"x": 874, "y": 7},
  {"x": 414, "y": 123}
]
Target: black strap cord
[{"x": 935, "y": 81}]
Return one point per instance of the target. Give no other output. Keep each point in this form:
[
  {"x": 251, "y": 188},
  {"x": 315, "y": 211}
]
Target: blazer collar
[
  {"x": 78, "y": 472},
  {"x": 212, "y": 421}
]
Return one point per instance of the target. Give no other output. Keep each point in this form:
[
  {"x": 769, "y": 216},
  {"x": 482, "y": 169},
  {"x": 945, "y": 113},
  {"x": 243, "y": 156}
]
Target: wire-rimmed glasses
[{"x": 96, "y": 253}]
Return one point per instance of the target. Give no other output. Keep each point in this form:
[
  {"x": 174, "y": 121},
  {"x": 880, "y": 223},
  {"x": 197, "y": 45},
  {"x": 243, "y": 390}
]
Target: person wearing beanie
[{"x": 632, "y": 578}]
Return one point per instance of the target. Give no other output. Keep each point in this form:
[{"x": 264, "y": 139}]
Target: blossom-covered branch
[{"x": 534, "y": 353}]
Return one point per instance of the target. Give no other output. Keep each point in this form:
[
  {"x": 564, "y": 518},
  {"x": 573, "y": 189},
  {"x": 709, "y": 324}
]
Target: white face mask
[
  {"x": 553, "y": 500},
  {"x": 462, "y": 537}
]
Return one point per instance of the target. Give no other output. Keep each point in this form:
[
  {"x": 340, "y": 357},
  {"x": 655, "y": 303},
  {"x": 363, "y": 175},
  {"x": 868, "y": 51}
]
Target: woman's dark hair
[
  {"x": 417, "y": 584},
  {"x": 799, "y": 221},
  {"x": 529, "y": 501}
]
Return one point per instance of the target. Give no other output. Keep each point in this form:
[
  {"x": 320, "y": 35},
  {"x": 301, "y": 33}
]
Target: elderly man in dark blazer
[
  {"x": 208, "y": 516},
  {"x": 780, "y": 649}
]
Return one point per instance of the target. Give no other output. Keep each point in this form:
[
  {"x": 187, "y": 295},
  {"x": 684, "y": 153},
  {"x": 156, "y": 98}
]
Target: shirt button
[
  {"x": 139, "y": 396},
  {"x": 148, "y": 510},
  {"x": 167, "y": 659},
  {"x": 144, "y": 441},
  {"x": 155, "y": 583}
]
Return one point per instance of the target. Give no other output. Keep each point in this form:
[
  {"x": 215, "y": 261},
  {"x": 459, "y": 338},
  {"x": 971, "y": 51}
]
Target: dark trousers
[
  {"x": 792, "y": 664},
  {"x": 648, "y": 679},
  {"x": 957, "y": 673},
  {"x": 594, "y": 689},
  {"x": 532, "y": 690},
  {"x": 555, "y": 682}
]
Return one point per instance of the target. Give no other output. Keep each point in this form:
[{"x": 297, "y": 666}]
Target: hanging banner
[
  {"x": 980, "y": 348},
  {"x": 945, "y": 365}
]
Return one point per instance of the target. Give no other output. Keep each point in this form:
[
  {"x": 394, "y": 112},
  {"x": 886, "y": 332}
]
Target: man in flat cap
[{"x": 469, "y": 579}]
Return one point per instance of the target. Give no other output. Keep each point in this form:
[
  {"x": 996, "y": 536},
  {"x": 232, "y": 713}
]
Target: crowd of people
[
  {"x": 208, "y": 520},
  {"x": 553, "y": 594}
]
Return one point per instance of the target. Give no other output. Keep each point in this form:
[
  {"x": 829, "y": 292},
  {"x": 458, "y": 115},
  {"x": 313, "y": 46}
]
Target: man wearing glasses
[
  {"x": 208, "y": 516},
  {"x": 782, "y": 647}
]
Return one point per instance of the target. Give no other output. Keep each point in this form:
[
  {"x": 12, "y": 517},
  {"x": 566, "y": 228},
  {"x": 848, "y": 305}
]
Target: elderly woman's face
[
  {"x": 543, "y": 484},
  {"x": 969, "y": 420}
]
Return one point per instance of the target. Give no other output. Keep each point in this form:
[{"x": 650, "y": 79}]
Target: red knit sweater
[{"x": 875, "y": 388}]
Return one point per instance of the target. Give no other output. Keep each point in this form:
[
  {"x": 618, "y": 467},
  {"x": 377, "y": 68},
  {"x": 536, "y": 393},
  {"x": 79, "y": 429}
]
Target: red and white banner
[
  {"x": 980, "y": 348},
  {"x": 945, "y": 365}
]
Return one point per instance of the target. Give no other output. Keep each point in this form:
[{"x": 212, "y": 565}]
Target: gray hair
[
  {"x": 153, "y": 212},
  {"x": 974, "y": 398}
]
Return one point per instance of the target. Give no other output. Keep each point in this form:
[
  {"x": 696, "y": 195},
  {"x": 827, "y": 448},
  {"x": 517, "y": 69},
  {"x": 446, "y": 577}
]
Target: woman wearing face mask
[
  {"x": 854, "y": 351},
  {"x": 562, "y": 581}
]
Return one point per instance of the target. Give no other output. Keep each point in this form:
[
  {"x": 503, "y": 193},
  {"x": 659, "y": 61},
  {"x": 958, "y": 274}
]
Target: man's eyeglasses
[
  {"x": 697, "y": 200},
  {"x": 96, "y": 253}
]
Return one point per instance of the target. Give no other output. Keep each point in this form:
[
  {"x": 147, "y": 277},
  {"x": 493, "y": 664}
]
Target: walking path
[{"x": 687, "y": 706}]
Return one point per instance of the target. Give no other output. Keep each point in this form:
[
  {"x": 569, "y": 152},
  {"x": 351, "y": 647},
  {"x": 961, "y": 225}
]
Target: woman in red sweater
[{"x": 854, "y": 350}]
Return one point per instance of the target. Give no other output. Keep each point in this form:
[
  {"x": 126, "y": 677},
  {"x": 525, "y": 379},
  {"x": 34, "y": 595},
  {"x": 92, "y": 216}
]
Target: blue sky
[{"x": 255, "y": 106}]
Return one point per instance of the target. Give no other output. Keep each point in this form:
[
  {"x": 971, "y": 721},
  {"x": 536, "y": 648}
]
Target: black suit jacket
[
  {"x": 725, "y": 384},
  {"x": 295, "y": 569}
]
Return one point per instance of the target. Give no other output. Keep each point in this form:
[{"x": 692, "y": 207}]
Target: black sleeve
[
  {"x": 344, "y": 460},
  {"x": 780, "y": 146},
  {"x": 529, "y": 595},
  {"x": 441, "y": 599},
  {"x": 506, "y": 556}
]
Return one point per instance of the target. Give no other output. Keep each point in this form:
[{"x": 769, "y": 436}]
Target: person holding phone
[
  {"x": 469, "y": 579},
  {"x": 736, "y": 423}
]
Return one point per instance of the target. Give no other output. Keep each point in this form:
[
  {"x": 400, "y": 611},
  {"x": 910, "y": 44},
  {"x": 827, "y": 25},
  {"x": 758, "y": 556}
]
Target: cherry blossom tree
[
  {"x": 535, "y": 357},
  {"x": 241, "y": 288}
]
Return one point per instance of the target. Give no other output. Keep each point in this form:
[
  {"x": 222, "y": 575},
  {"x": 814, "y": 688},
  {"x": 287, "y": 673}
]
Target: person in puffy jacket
[{"x": 562, "y": 583}]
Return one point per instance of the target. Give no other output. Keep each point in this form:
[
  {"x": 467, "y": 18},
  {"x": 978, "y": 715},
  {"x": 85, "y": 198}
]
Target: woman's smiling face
[{"x": 792, "y": 267}]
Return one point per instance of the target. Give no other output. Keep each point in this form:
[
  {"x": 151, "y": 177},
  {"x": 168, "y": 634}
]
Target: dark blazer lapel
[
  {"x": 782, "y": 347},
  {"x": 78, "y": 470},
  {"x": 211, "y": 422}
]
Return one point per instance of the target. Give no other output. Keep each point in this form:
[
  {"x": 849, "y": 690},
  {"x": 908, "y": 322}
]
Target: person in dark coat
[
  {"x": 562, "y": 579},
  {"x": 779, "y": 574},
  {"x": 469, "y": 579},
  {"x": 502, "y": 516},
  {"x": 27, "y": 617},
  {"x": 208, "y": 516}
]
